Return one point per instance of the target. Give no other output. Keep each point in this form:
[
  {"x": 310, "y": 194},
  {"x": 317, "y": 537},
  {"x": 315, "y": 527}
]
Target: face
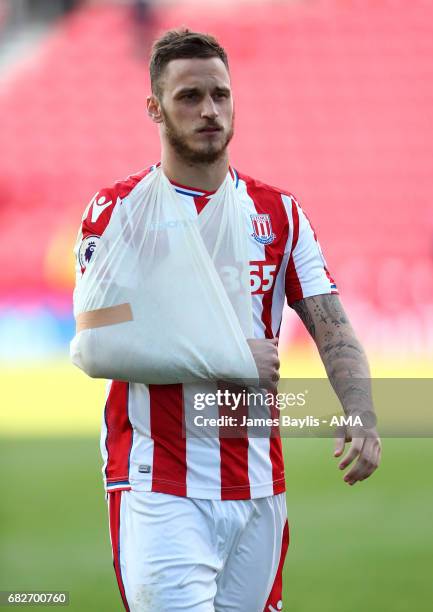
[{"x": 195, "y": 108}]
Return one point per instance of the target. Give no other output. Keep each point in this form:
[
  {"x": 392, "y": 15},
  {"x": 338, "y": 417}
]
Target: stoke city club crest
[{"x": 262, "y": 228}]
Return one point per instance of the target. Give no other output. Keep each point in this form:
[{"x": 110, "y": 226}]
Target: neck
[{"x": 206, "y": 177}]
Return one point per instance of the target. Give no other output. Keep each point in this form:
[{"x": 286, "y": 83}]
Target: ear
[{"x": 154, "y": 109}]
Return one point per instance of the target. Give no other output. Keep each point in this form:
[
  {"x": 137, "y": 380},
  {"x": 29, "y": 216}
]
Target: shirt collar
[{"x": 199, "y": 193}]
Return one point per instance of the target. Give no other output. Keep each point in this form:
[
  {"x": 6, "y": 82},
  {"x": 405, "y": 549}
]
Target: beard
[{"x": 204, "y": 155}]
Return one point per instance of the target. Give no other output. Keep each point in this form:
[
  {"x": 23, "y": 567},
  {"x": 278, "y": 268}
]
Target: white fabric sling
[{"x": 166, "y": 298}]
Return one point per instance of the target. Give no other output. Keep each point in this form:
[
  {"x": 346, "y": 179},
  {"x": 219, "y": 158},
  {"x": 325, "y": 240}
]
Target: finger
[
  {"x": 353, "y": 452},
  {"x": 270, "y": 385},
  {"x": 374, "y": 463},
  {"x": 360, "y": 471},
  {"x": 340, "y": 440},
  {"x": 275, "y": 373},
  {"x": 376, "y": 452},
  {"x": 339, "y": 446},
  {"x": 375, "y": 459},
  {"x": 365, "y": 465},
  {"x": 378, "y": 455},
  {"x": 273, "y": 387}
]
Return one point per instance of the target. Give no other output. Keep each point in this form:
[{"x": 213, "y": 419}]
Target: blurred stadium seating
[{"x": 333, "y": 101}]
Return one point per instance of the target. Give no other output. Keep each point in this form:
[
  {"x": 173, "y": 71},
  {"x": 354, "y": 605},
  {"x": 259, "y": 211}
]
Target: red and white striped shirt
[{"x": 142, "y": 441}]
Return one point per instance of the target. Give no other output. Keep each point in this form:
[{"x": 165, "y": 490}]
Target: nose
[{"x": 209, "y": 109}]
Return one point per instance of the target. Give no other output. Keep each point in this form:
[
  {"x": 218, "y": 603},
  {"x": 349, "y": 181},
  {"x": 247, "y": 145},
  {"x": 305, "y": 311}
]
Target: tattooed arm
[{"x": 348, "y": 371}]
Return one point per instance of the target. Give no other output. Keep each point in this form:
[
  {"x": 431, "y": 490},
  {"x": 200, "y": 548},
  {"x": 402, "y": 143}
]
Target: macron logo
[
  {"x": 99, "y": 204},
  {"x": 278, "y": 608}
]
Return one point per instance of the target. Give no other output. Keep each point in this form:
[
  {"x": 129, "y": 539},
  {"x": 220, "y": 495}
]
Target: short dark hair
[{"x": 181, "y": 44}]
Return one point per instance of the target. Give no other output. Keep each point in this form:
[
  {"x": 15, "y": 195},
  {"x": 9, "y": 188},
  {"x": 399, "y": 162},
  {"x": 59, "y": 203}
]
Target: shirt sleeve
[
  {"x": 93, "y": 223},
  {"x": 306, "y": 273}
]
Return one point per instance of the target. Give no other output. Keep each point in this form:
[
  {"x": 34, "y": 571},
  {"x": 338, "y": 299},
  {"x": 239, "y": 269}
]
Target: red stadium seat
[{"x": 333, "y": 102}]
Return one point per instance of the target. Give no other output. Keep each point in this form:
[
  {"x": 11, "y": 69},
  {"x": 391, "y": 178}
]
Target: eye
[
  {"x": 189, "y": 96},
  {"x": 221, "y": 94}
]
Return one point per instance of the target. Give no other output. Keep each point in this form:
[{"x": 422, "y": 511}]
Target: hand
[
  {"x": 265, "y": 353},
  {"x": 367, "y": 450}
]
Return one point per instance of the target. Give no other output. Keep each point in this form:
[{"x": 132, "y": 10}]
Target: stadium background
[{"x": 334, "y": 101}]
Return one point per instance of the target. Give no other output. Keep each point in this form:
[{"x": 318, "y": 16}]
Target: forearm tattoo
[
  {"x": 342, "y": 355},
  {"x": 304, "y": 314}
]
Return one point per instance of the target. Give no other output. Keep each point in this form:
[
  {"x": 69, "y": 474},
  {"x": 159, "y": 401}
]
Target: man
[{"x": 200, "y": 524}]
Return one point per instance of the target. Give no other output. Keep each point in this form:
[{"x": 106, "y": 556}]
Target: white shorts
[{"x": 173, "y": 554}]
